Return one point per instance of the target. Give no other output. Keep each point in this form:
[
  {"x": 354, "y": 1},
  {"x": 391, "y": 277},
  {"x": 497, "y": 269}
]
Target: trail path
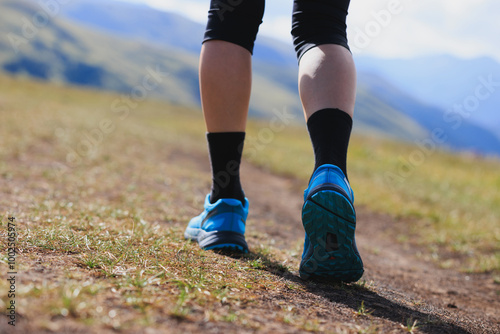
[{"x": 402, "y": 285}]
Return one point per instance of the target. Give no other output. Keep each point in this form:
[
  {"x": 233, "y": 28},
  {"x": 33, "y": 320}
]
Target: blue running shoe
[
  {"x": 220, "y": 226},
  {"x": 329, "y": 220}
]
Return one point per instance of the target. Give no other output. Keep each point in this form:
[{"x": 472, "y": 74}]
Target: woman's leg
[
  {"x": 225, "y": 84},
  {"x": 327, "y": 85},
  {"x": 327, "y": 79}
]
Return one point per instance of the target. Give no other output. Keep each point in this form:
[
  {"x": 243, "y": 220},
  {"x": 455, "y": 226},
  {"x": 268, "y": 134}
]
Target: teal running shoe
[
  {"x": 329, "y": 219},
  {"x": 220, "y": 226}
]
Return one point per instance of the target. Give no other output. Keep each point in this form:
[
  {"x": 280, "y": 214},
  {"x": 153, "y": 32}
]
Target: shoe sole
[
  {"x": 220, "y": 240},
  {"x": 330, "y": 222}
]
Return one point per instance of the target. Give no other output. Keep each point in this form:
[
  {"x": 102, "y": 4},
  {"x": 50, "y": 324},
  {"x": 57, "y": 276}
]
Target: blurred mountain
[
  {"x": 135, "y": 21},
  {"x": 459, "y": 133},
  {"x": 61, "y": 51},
  {"x": 116, "y": 45},
  {"x": 446, "y": 81},
  {"x": 67, "y": 51}
]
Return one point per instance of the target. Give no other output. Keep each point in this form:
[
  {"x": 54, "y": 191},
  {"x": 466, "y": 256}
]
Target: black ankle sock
[
  {"x": 225, "y": 149},
  {"x": 330, "y": 130}
]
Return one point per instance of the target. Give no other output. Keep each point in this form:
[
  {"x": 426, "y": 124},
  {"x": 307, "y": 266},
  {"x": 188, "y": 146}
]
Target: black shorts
[{"x": 314, "y": 22}]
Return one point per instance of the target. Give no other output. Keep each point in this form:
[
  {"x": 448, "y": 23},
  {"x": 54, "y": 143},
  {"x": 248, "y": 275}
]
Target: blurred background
[{"x": 422, "y": 66}]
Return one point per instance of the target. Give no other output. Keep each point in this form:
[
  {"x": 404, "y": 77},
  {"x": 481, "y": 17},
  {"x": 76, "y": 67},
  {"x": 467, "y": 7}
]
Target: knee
[
  {"x": 317, "y": 22},
  {"x": 234, "y": 21}
]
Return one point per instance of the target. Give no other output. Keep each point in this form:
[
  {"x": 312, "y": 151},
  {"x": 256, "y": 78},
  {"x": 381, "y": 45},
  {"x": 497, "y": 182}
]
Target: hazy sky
[{"x": 389, "y": 28}]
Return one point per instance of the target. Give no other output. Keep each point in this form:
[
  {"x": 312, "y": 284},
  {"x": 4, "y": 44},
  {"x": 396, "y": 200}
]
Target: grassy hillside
[
  {"x": 64, "y": 51},
  {"x": 448, "y": 203},
  {"x": 443, "y": 81},
  {"x": 461, "y": 135}
]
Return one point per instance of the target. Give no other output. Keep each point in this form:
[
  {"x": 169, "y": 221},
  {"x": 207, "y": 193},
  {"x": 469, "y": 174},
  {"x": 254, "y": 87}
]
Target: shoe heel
[
  {"x": 224, "y": 240},
  {"x": 329, "y": 221}
]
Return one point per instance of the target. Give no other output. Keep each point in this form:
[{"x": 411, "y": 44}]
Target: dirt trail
[
  {"x": 406, "y": 287},
  {"x": 401, "y": 285}
]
